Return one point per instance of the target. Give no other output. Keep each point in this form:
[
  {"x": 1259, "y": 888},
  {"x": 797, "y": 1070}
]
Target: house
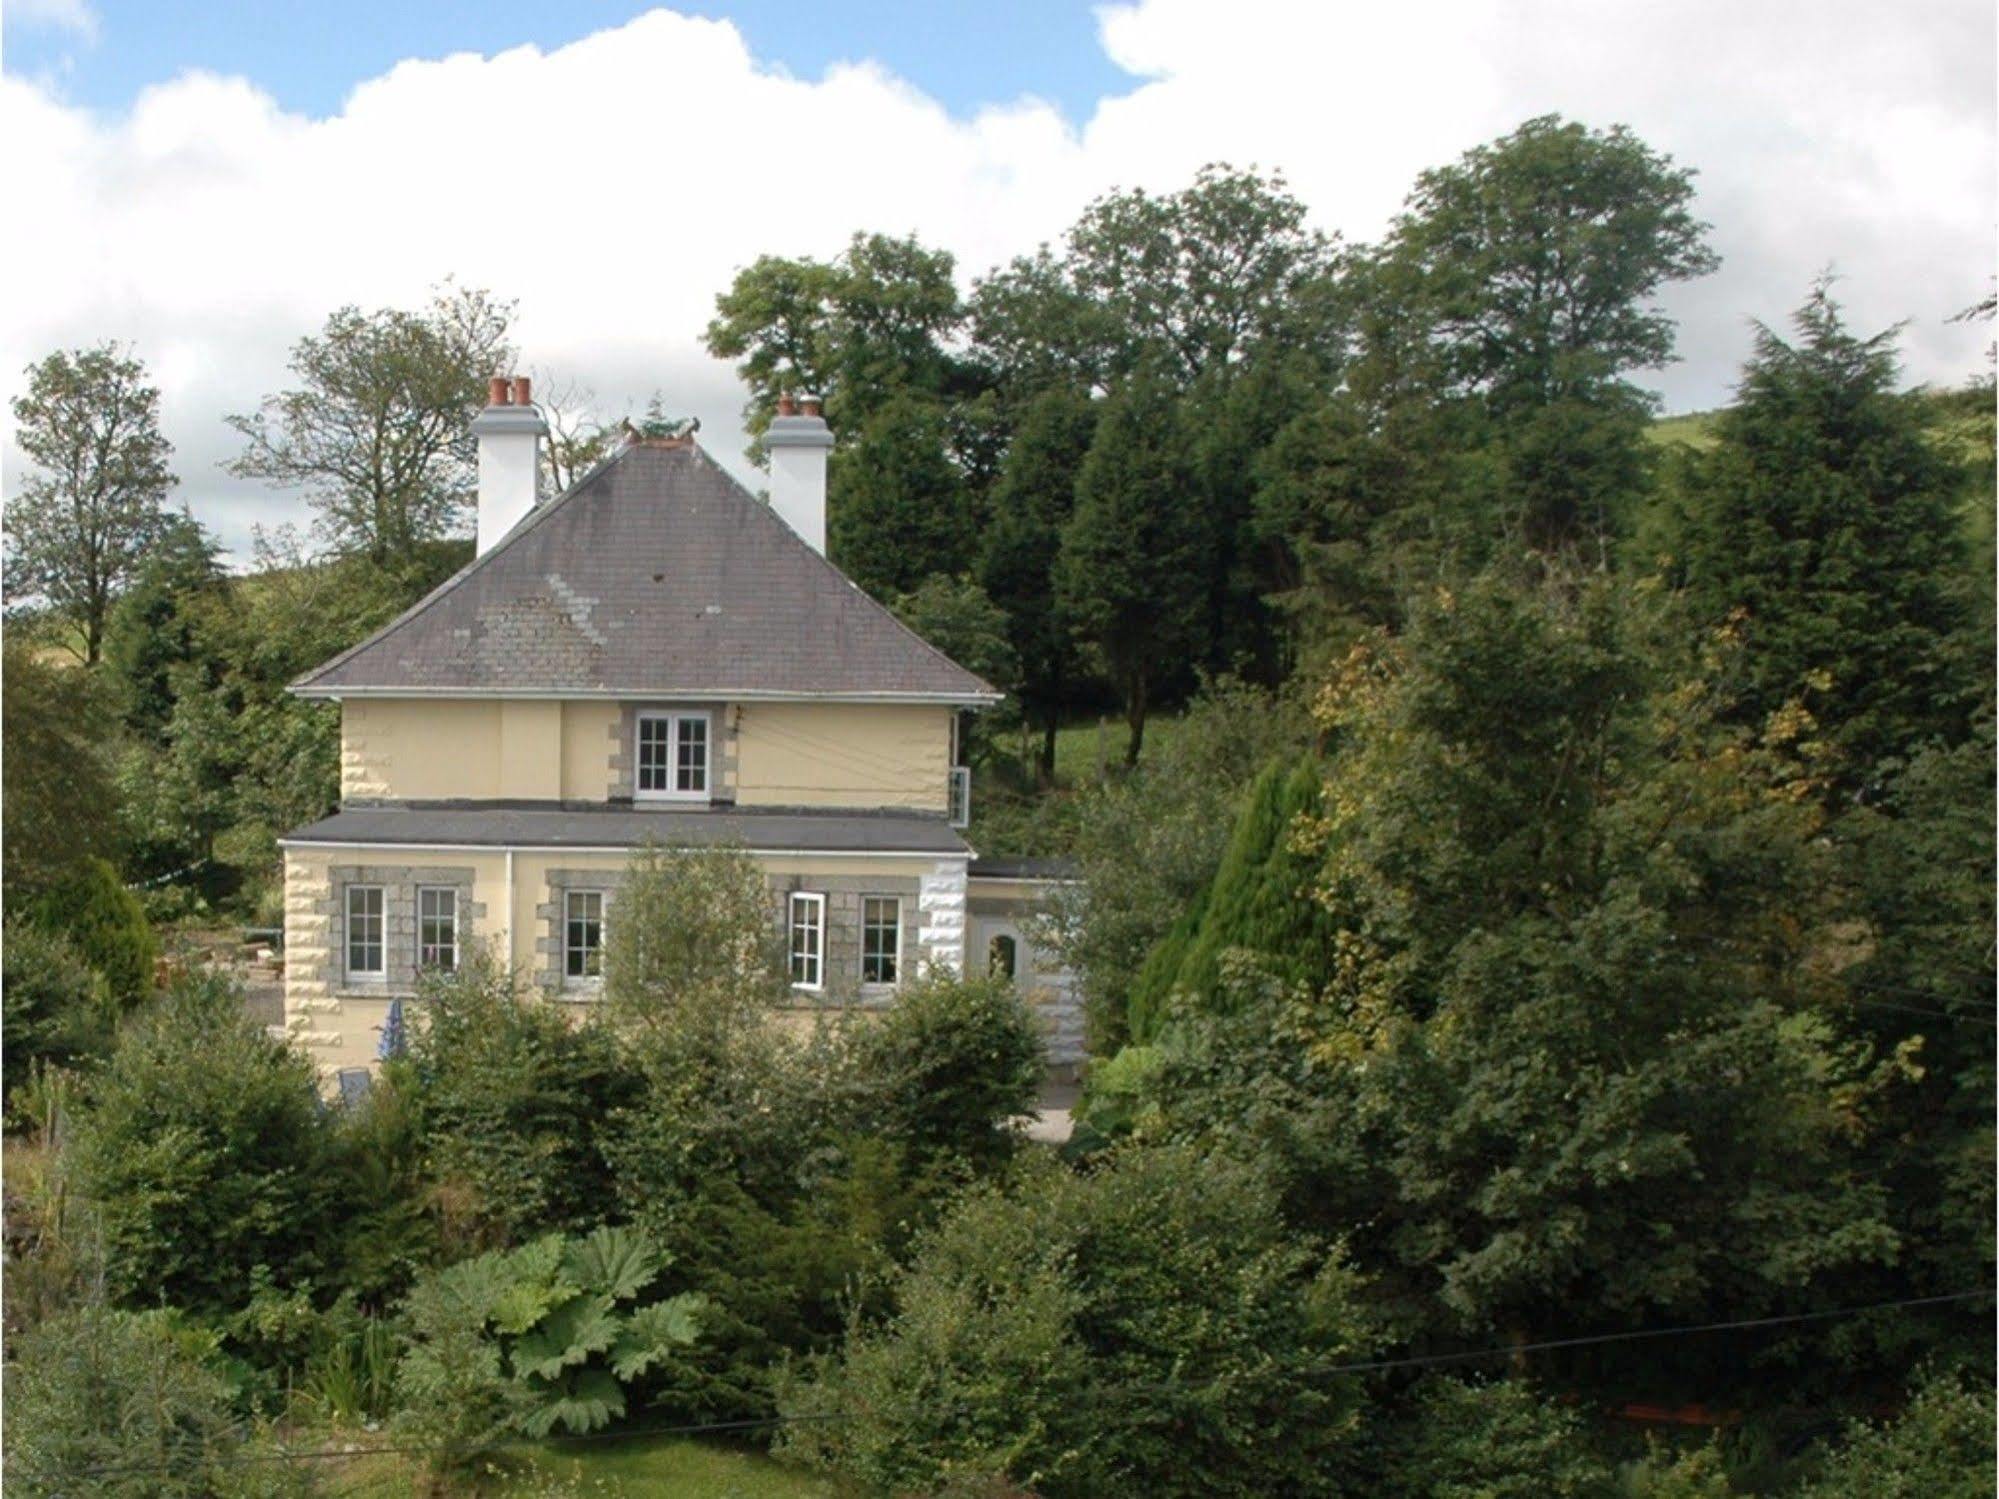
[{"x": 654, "y": 655}]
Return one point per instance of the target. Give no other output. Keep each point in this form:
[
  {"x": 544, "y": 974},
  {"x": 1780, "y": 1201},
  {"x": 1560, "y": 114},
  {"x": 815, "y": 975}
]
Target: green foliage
[
  {"x": 1131, "y": 570},
  {"x": 202, "y": 1147},
  {"x": 1500, "y": 1439},
  {"x": 53, "y": 772},
  {"x": 947, "y": 1067},
  {"x": 1147, "y": 1328},
  {"x": 956, "y": 616},
  {"x": 692, "y": 953},
  {"x": 895, "y": 506},
  {"x": 106, "y": 925},
  {"x": 1149, "y": 843},
  {"x": 374, "y": 431},
  {"x": 516, "y": 1097},
  {"x": 1032, "y": 501},
  {"x": 93, "y": 505},
  {"x": 55, "y": 1006},
  {"x": 1939, "y": 1447},
  {"x": 1821, "y": 526},
  {"x": 528, "y": 1340},
  {"x": 129, "y": 1404},
  {"x": 1258, "y": 902},
  {"x": 160, "y": 621}
]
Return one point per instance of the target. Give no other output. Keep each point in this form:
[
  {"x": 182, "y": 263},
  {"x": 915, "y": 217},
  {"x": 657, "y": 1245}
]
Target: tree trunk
[
  {"x": 1046, "y": 769},
  {"x": 1134, "y": 715}
]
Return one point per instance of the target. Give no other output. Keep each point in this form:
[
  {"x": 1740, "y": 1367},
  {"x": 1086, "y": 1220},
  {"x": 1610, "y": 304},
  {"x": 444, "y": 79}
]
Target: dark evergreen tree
[
  {"x": 1823, "y": 526},
  {"x": 1032, "y": 502},
  {"x": 1134, "y": 559},
  {"x": 158, "y": 624},
  {"x": 897, "y": 505}
]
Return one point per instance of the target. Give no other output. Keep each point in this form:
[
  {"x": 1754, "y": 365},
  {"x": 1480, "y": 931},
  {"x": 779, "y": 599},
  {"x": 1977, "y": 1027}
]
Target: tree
[
  {"x": 956, "y": 616},
  {"x": 60, "y": 808},
  {"x": 82, "y": 523},
  {"x": 160, "y": 623},
  {"x": 1031, "y": 504},
  {"x": 1133, "y": 562},
  {"x": 897, "y": 504},
  {"x": 857, "y": 331},
  {"x": 203, "y": 1147},
  {"x": 1822, "y": 524},
  {"x": 1043, "y": 1314},
  {"x": 1535, "y": 257},
  {"x": 377, "y": 429},
  {"x": 1528, "y": 268}
]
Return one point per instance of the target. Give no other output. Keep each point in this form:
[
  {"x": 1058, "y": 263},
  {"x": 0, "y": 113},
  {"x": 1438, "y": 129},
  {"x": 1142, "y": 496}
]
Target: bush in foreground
[
  {"x": 1146, "y": 1329},
  {"x": 202, "y": 1147}
]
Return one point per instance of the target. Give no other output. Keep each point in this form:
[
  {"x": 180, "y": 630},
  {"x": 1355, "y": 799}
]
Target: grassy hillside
[{"x": 614, "y": 1465}]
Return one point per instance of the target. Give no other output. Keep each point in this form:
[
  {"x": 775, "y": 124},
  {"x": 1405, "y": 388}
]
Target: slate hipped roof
[{"x": 657, "y": 575}]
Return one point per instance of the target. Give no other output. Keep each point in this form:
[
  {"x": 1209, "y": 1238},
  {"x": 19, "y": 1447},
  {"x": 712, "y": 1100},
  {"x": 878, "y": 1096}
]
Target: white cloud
[
  {"x": 77, "y": 17},
  {"x": 614, "y": 185}
]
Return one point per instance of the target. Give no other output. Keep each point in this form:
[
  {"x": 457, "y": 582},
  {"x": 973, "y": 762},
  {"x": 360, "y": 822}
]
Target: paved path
[{"x": 1050, "y": 1122}]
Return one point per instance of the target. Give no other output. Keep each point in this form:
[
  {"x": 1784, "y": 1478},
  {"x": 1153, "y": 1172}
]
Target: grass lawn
[{"x": 614, "y": 1465}]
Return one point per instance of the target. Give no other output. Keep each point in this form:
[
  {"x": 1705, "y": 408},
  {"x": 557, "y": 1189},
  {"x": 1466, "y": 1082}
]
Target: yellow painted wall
[
  {"x": 409, "y": 749},
  {"x": 785, "y": 754},
  {"x": 589, "y": 732},
  {"x": 843, "y": 755}
]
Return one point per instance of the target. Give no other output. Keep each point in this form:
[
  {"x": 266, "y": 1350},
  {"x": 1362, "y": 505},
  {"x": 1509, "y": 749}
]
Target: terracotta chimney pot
[
  {"x": 521, "y": 391},
  {"x": 811, "y": 405},
  {"x": 496, "y": 391},
  {"x": 786, "y": 406}
]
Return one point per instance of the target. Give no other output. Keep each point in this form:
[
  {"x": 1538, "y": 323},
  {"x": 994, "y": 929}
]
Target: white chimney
[
  {"x": 510, "y": 431},
  {"x": 798, "y": 441}
]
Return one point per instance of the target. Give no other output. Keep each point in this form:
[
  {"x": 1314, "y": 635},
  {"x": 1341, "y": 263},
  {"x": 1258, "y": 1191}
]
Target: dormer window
[{"x": 672, "y": 757}]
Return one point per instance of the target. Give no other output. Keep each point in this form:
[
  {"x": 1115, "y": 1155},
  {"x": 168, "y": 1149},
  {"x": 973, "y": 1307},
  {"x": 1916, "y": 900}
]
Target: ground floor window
[
  {"x": 1002, "y": 956},
  {"x": 881, "y": 939},
  {"x": 807, "y": 926},
  {"x": 583, "y": 934},
  {"x": 366, "y": 953},
  {"x": 437, "y": 928}
]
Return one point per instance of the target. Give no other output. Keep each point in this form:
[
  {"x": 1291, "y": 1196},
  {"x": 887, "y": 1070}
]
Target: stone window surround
[
  {"x": 840, "y": 967},
  {"x": 722, "y": 746},
  {"x": 550, "y": 927},
  {"x": 399, "y": 884}
]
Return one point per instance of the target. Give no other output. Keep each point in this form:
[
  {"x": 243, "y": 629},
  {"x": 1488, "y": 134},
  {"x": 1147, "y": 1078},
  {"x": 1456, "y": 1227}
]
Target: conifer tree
[
  {"x": 1823, "y": 524},
  {"x": 1132, "y": 568}
]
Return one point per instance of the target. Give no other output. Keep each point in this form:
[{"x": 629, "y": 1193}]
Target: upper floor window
[
  {"x": 672, "y": 755},
  {"x": 807, "y": 926},
  {"x": 366, "y": 954},
  {"x": 881, "y": 939},
  {"x": 437, "y": 928}
]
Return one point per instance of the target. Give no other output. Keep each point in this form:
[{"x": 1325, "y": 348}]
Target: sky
[{"x": 206, "y": 182}]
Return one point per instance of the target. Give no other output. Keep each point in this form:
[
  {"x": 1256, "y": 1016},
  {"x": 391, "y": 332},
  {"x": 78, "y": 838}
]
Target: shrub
[
  {"x": 1497, "y": 1439},
  {"x": 108, "y": 925},
  {"x": 947, "y": 1066},
  {"x": 515, "y": 1102},
  {"x": 378, "y": 1168},
  {"x": 55, "y": 1007},
  {"x": 203, "y": 1145},
  {"x": 693, "y": 951},
  {"x": 530, "y": 1339},
  {"x": 1147, "y": 1328},
  {"x": 1940, "y": 1447},
  {"x": 127, "y": 1404}
]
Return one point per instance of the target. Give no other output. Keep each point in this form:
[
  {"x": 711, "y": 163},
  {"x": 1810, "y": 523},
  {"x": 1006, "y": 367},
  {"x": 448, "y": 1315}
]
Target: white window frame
[
  {"x": 674, "y": 721},
  {"x": 380, "y": 972},
  {"x": 895, "y": 951},
  {"x": 583, "y": 980},
  {"x": 815, "y": 956},
  {"x": 958, "y": 797},
  {"x": 422, "y": 892}
]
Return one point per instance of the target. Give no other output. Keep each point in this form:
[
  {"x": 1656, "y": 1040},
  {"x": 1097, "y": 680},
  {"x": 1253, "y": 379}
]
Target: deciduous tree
[
  {"x": 86, "y": 517},
  {"x": 377, "y": 429}
]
